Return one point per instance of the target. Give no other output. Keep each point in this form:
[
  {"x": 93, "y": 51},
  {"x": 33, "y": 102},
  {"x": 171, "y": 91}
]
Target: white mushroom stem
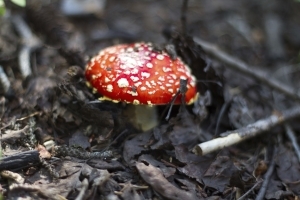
[
  {"x": 143, "y": 117},
  {"x": 252, "y": 130}
]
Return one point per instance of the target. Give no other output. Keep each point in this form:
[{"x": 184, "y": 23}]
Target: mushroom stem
[{"x": 142, "y": 117}]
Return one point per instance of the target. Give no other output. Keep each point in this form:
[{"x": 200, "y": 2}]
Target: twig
[
  {"x": 262, "y": 191},
  {"x": 30, "y": 43},
  {"x": 15, "y": 177},
  {"x": 252, "y": 130},
  {"x": 85, "y": 185},
  {"x": 4, "y": 82},
  {"x": 290, "y": 133},
  {"x": 182, "y": 90},
  {"x": 251, "y": 71},
  {"x": 251, "y": 189}
]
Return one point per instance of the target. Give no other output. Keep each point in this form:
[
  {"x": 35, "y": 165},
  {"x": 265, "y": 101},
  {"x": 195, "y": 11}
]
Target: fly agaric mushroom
[{"x": 137, "y": 74}]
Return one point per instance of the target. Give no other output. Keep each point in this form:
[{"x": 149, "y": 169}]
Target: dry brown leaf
[{"x": 160, "y": 184}]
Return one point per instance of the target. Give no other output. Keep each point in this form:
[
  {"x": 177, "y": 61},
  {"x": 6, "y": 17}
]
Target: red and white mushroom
[{"x": 135, "y": 73}]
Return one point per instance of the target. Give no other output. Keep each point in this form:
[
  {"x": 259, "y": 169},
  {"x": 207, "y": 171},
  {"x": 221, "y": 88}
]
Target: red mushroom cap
[{"x": 135, "y": 73}]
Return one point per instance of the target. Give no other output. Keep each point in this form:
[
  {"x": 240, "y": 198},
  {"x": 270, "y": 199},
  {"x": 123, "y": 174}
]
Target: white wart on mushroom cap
[{"x": 135, "y": 73}]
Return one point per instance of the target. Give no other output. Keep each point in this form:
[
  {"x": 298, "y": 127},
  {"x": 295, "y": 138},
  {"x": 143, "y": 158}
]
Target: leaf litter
[{"x": 93, "y": 143}]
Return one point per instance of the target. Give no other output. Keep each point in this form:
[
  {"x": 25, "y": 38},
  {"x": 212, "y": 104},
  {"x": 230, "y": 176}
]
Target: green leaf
[{"x": 21, "y": 3}]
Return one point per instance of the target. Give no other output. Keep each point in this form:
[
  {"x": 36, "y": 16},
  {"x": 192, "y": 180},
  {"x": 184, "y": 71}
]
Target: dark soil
[{"x": 59, "y": 142}]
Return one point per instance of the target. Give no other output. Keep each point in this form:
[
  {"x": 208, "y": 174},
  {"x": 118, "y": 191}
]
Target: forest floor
[{"x": 57, "y": 142}]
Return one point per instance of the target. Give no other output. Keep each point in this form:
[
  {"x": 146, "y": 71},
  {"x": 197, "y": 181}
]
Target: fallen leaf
[{"x": 160, "y": 184}]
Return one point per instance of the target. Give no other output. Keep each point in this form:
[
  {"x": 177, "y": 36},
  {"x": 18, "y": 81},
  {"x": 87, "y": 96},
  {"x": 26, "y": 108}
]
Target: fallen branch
[
  {"x": 20, "y": 160},
  {"x": 252, "y": 130},
  {"x": 251, "y": 71}
]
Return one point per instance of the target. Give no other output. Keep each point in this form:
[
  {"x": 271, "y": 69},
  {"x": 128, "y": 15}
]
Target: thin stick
[
  {"x": 182, "y": 90},
  {"x": 263, "y": 189},
  {"x": 171, "y": 105},
  {"x": 252, "y": 130},
  {"x": 4, "y": 82},
  {"x": 290, "y": 133},
  {"x": 82, "y": 193},
  {"x": 30, "y": 43},
  {"x": 251, "y": 71},
  {"x": 251, "y": 189}
]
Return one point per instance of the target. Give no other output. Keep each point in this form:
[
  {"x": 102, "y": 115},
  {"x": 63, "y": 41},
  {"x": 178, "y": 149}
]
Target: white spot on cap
[
  {"x": 93, "y": 61},
  {"x": 181, "y": 70},
  {"x": 88, "y": 68},
  {"x": 132, "y": 93},
  {"x": 88, "y": 84},
  {"x": 193, "y": 83},
  {"x": 111, "y": 76},
  {"x": 161, "y": 78},
  {"x": 145, "y": 74},
  {"x": 193, "y": 78},
  {"x": 101, "y": 53},
  {"x": 137, "y": 45},
  {"x": 136, "y": 102},
  {"x": 138, "y": 84},
  {"x": 149, "y": 102},
  {"x": 151, "y": 92},
  {"x": 168, "y": 85},
  {"x": 167, "y": 69},
  {"x": 123, "y": 66},
  {"x": 135, "y": 71},
  {"x": 149, "y": 65},
  {"x": 171, "y": 81},
  {"x": 153, "y": 82},
  {"x": 173, "y": 76},
  {"x": 140, "y": 63},
  {"x": 148, "y": 84},
  {"x": 134, "y": 78},
  {"x": 160, "y": 57},
  {"x": 127, "y": 72},
  {"x": 143, "y": 88},
  {"x": 122, "y": 82},
  {"x": 112, "y": 58},
  {"x": 162, "y": 87},
  {"x": 109, "y": 88},
  {"x": 171, "y": 90},
  {"x": 111, "y": 50},
  {"x": 106, "y": 80},
  {"x": 183, "y": 77},
  {"x": 130, "y": 49}
]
